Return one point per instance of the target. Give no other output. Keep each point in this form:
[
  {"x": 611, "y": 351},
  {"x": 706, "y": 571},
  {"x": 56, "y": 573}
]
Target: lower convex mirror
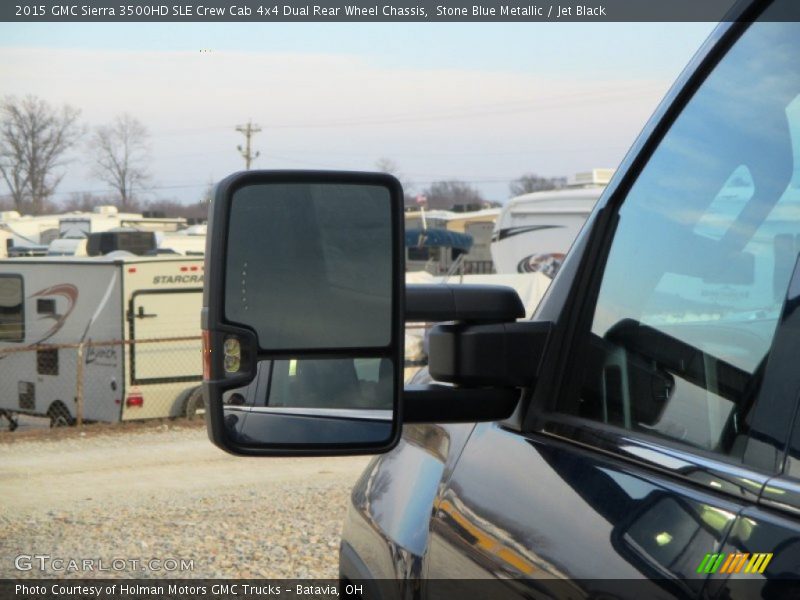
[
  {"x": 302, "y": 313},
  {"x": 323, "y": 401}
]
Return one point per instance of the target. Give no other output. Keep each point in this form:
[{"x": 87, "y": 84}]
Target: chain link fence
[
  {"x": 102, "y": 381},
  {"x": 121, "y": 380}
]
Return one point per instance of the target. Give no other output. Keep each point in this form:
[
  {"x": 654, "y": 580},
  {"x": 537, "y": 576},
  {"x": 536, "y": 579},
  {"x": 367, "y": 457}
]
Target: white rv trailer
[
  {"x": 28, "y": 230},
  {"x": 534, "y": 231},
  {"x": 30, "y": 235},
  {"x": 50, "y": 305},
  {"x": 67, "y": 247},
  {"x": 108, "y": 217},
  {"x": 188, "y": 242}
]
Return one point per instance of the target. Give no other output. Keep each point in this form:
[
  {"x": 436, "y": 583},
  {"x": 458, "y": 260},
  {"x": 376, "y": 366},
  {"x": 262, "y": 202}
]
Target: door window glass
[{"x": 706, "y": 243}]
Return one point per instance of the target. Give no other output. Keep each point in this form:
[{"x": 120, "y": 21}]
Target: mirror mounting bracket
[
  {"x": 482, "y": 351},
  {"x": 503, "y": 355}
]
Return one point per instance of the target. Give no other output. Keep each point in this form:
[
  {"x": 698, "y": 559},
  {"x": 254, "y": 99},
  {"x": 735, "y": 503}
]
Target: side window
[
  {"x": 705, "y": 246},
  {"x": 12, "y": 302}
]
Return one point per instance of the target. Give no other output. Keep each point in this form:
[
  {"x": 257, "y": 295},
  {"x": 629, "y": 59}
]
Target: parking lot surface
[{"x": 164, "y": 493}]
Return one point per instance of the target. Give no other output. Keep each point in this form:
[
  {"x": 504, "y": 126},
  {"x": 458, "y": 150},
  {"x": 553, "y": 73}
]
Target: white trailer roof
[{"x": 114, "y": 257}]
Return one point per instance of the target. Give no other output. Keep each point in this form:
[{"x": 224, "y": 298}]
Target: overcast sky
[{"x": 478, "y": 102}]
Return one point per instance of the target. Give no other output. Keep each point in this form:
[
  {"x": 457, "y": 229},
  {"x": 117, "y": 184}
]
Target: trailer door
[{"x": 165, "y": 351}]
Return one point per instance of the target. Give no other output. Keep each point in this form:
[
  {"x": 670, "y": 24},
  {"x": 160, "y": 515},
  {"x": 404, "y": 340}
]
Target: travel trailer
[
  {"x": 67, "y": 247},
  {"x": 189, "y": 242},
  {"x": 27, "y": 235},
  {"x": 28, "y": 230},
  {"x": 534, "y": 231},
  {"x": 107, "y": 217},
  {"x": 140, "y": 243},
  {"x": 57, "y": 312}
]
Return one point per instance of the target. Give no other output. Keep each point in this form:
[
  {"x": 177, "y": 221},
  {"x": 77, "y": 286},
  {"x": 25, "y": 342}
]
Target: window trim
[
  {"x": 694, "y": 466},
  {"x": 782, "y": 493},
  {"x": 21, "y": 339}
]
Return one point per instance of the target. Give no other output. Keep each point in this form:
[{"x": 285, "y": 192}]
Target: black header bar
[{"x": 320, "y": 11}]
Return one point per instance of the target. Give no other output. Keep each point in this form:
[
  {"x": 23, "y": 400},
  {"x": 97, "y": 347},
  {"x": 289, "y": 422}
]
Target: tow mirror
[{"x": 303, "y": 313}]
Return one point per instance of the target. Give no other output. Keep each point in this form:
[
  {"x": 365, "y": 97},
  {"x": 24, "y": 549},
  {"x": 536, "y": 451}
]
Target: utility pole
[{"x": 249, "y": 131}]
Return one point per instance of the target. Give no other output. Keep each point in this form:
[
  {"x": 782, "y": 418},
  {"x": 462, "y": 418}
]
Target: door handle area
[{"x": 140, "y": 314}]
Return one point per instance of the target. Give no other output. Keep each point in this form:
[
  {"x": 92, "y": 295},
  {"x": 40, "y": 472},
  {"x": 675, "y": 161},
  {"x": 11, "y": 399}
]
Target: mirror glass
[
  {"x": 309, "y": 265},
  {"x": 313, "y": 401}
]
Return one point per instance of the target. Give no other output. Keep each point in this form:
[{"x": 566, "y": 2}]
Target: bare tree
[
  {"x": 174, "y": 208},
  {"x": 34, "y": 137},
  {"x": 122, "y": 152},
  {"x": 84, "y": 202},
  {"x": 387, "y": 165},
  {"x": 456, "y": 195},
  {"x": 531, "y": 182}
]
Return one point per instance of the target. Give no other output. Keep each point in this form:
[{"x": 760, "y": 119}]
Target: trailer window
[
  {"x": 12, "y": 319},
  {"x": 46, "y": 306}
]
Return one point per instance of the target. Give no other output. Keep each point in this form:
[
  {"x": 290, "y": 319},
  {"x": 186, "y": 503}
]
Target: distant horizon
[{"x": 482, "y": 103}]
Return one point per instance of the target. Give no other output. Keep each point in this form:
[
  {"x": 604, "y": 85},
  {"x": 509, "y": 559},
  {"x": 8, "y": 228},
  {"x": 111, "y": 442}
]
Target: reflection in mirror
[
  {"x": 310, "y": 265},
  {"x": 313, "y": 401}
]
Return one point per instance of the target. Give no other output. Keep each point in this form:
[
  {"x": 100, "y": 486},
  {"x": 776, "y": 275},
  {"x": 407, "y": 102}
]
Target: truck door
[{"x": 765, "y": 541}]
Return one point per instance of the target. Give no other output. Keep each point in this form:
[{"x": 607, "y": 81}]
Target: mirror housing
[{"x": 303, "y": 313}]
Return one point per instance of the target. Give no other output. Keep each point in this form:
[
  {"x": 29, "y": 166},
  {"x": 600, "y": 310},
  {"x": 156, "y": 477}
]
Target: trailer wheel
[
  {"x": 59, "y": 415},
  {"x": 195, "y": 404}
]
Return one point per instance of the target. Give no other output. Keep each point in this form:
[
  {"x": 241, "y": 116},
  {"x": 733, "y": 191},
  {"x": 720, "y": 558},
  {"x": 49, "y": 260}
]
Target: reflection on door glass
[
  {"x": 706, "y": 244},
  {"x": 727, "y": 205}
]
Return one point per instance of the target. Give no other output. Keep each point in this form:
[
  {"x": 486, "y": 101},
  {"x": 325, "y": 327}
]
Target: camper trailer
[
  {"x": 188, "y": 242},
  {"x": 26, "y": 231},
  {"x": 129, "y": 325},
  {"x": 534, "y": 231},
  {"x": 107, "y": 217}
]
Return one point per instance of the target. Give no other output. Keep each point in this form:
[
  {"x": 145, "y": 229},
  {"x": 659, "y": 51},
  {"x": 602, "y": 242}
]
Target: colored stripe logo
[{"x": 735, "y": 563}]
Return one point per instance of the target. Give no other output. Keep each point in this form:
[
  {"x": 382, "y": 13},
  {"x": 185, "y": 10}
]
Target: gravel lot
[{"x": 163, "y": 491}]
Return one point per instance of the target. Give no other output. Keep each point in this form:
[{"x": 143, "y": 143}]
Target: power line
[
  {"x": 148, "y": 189},
  {"x": 204, "y": 185},
  {"x": 546, "y": 102}
]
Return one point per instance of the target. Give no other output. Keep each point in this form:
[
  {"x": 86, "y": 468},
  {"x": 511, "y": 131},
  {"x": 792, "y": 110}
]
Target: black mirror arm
[
  {"x": 482, "y": 351},
  {"x": 470, "y": 302}
]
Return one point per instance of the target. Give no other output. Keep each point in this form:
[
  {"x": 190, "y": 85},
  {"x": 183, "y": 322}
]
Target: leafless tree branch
[
  {"x": 34, "y": 138},
  {"x": 121, "y": 155}
]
